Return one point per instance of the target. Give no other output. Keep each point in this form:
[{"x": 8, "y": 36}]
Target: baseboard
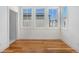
[
  {"x": 12, "y": 41},
  {"x": 70, "y": 45},
  {"x": 38, "y": 39},
  {"x": 3, "y": 48}
]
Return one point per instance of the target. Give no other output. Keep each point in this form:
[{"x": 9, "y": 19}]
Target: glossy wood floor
[{"x": 39, "y": 46}]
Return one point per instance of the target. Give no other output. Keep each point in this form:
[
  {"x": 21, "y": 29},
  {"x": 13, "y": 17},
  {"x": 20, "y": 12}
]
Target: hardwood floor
[{"x": 39, "y": 46}]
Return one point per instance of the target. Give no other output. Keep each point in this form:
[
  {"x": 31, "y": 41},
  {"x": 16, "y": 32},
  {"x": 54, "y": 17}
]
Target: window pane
[
  {"x": 64, "y": 11},
  {"x": 27, "y": 13},
  {"x": 27, "y": 17},
  {"x": 64, "y": 16},
  {"x": 40, "y": 14},
  {"x": 53, "y": 13}
]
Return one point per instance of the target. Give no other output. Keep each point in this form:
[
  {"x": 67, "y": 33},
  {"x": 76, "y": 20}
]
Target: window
[
  {"x": 40, "y": 17},
  {"x": 27, "y": 17},
  {"x": 53, "y": 17},
  {"x": 40, "y": 14},
  {"x": 64, "y": 16},
  {"x": 27, "y": 14}
]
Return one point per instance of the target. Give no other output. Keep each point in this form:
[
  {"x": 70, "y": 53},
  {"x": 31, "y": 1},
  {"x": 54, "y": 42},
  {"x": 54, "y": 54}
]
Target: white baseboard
[
  {"x": 70, "y": 45},
  {"x": 38, "y": 39},
  {"x": 3, "y": 48},
  {"x": 12, "y": 41}
]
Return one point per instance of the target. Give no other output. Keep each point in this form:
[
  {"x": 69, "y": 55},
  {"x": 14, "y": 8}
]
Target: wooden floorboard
[{"x": 39, "y": 46}]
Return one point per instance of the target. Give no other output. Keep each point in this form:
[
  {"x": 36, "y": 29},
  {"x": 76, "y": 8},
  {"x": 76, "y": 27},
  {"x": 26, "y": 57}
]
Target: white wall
[
  {"x": 4, "y": 28},
  {"x": 36, "y": 32},
  {"x": 14, "y": 8},
  {"x": 12, "y": 25},
  {"x": 14, "y": 33},
  {"x": 70, "y": 35}
]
